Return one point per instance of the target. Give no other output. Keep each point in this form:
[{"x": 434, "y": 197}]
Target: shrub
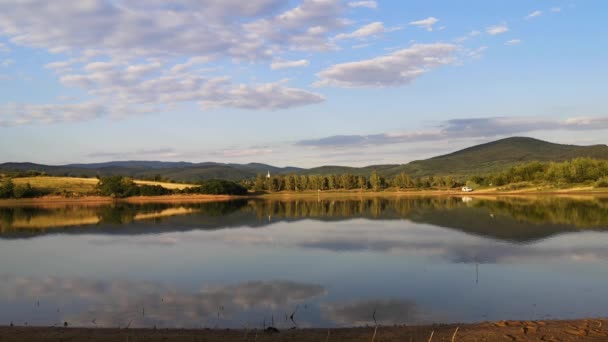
[
  {"x": 117, "y": 186},
  {"x": 153, "y": 190},
  {"x": 602, "y": 183},
  {"x": 222, "y": 187},
  {"x": 6, "y": 189}
]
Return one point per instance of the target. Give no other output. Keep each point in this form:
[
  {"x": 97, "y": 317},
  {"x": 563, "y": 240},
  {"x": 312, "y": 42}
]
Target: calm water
[{"x": 329, "y": 262}]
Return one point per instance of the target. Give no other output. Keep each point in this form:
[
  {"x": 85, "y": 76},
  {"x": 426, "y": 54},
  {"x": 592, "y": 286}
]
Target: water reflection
[
  {"x": 513, "y": 219},
  {"x": 120, "y": 303},
  {"x": 363, "y": 312},
  {"x": 328, "y": 262}
]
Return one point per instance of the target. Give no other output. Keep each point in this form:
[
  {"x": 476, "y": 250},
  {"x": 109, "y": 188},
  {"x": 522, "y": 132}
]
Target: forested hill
[
  {"x": 479, "y": 159},
  {"x": 500, "y": 154}
]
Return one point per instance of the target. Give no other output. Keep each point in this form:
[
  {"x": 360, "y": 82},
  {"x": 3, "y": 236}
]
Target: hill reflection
[{"x": 512, "y": 219}]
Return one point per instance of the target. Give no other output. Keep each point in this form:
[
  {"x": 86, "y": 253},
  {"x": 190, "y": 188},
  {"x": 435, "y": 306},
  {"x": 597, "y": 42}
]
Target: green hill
[
  {"x": 479, "y": 159},
  {"x": 498, "y": 155}
]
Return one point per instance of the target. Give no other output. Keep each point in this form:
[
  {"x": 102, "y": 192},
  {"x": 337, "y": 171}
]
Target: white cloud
[
  {"x": 426, "y": 24},
  {"x": 513, "y": 42},
  {"x": 368, "y": 4},
  {"x": 21, "y": 114},
  {"x": 497, "y": 29},
  {"x": 142, "y": 57},
  {"x": 262, "y": 96},
  {"x": 395, "y": 69},
  {"x": 534, "y": 14},
  {"x": 289, "y": 64},
  {"x": 305, "y": 27},
  {"x": 248, "y": 30},
  {"x": 465, "y": 38},
  {"x": 372, "y": 29},
  {"x": 3, "y": 47},
  {"x": 477, "y": 53},
  {"x": 556, "y": 9},
  {"x": 189, "y": 64},
  {"x": 121, "y": 90}
]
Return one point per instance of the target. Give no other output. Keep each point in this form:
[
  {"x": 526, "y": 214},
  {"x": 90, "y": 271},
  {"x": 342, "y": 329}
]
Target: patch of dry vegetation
[{"x": 81, "y": 186}]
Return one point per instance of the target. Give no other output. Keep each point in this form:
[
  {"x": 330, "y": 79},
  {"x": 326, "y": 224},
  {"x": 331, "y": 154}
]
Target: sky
[{"x": 299, "y": 83}]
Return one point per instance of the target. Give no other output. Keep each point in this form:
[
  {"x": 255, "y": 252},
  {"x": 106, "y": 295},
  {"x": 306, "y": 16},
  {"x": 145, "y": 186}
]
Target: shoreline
[
  {"x": 591, "y": 329},
  {"x": 200, "y": 198}
]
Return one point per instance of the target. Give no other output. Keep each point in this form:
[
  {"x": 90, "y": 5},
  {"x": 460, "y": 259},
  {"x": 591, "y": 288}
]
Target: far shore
[
  {"x": 284, "y": 195},
  {"x": 571, "y": 330}
]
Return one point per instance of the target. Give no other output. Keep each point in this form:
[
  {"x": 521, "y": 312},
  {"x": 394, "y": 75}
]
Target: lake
[{"x": 304, "y": 263}]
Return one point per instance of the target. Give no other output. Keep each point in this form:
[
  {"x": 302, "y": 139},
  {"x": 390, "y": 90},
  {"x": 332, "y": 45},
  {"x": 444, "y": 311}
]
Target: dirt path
[{"x": 578, "y": 330}]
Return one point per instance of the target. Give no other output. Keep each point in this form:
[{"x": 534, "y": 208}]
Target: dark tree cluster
[
  {"x": 8, "y": 189},
  {"x": 120, "y": 187},
  {"x": 216, "y": 187}
]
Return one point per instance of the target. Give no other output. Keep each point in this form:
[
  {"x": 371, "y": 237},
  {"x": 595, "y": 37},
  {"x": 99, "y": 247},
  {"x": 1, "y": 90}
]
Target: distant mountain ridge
[{"x": 479, "y": 159}]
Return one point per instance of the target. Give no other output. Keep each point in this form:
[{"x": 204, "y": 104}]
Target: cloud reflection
[
  {"x": 420, "y": 240},
  {"x": 146, "y": 304},
  {"x": 358, "y": 313}
]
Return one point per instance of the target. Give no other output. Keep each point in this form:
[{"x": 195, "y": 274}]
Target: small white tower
[{"x": 268, "y": 175}]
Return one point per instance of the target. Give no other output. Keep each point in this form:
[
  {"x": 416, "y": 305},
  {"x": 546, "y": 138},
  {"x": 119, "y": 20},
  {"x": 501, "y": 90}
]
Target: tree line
[
  {"x": 120, "y": 187},
  {"x": 375, "y": 182},
  {"x": 575, "y": 171}
]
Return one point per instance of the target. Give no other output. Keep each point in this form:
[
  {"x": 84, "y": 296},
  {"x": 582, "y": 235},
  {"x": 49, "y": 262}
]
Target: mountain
[
  {"x": 498, "y": 155},
  {"x": 479, "y": 159},
  {"x": 179, "y": 171}
]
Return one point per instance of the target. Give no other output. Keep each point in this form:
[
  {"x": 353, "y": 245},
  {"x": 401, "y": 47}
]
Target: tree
[
  {"x": 222, "y": 187},
  {"x": 259, "y": 184},
  {"x": 362, "y": 182},
  {"x": 6, "y": 189},
  {"x": 289, "y": 185},
  {"x": 117, "y": 186},
  {"x": 374, "y": 180},
  {"x": 303, "y": 183}
]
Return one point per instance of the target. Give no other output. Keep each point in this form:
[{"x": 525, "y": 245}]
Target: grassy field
[
  {"x": 82, "y": 186},
  {"x": 165, "y": 185}
]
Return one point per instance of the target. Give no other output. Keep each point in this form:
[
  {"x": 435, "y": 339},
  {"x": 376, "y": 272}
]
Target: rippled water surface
[{"x": 327, "y": 263}]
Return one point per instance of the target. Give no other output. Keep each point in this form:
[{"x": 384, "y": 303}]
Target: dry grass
[
  {"x": 54, "y": 184},
  {"x": 165, "y": 185},
  {"x": 82, "y": 185}
]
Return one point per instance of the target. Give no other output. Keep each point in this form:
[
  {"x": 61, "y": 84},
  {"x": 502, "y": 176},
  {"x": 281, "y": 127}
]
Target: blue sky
[{"x": 302, "y": 83}]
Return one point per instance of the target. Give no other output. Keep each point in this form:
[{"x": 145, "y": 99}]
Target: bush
[
  {"x": 24, "y": 191},
  {"x": 117, "y": 186},
  {"x": 6, "y": 189},
  {"x": 222, "y": 187},
  {"x": 153, "y": 190},
  {"x": 120, "y": 187},
  {"x": 602, "y": 183}
]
